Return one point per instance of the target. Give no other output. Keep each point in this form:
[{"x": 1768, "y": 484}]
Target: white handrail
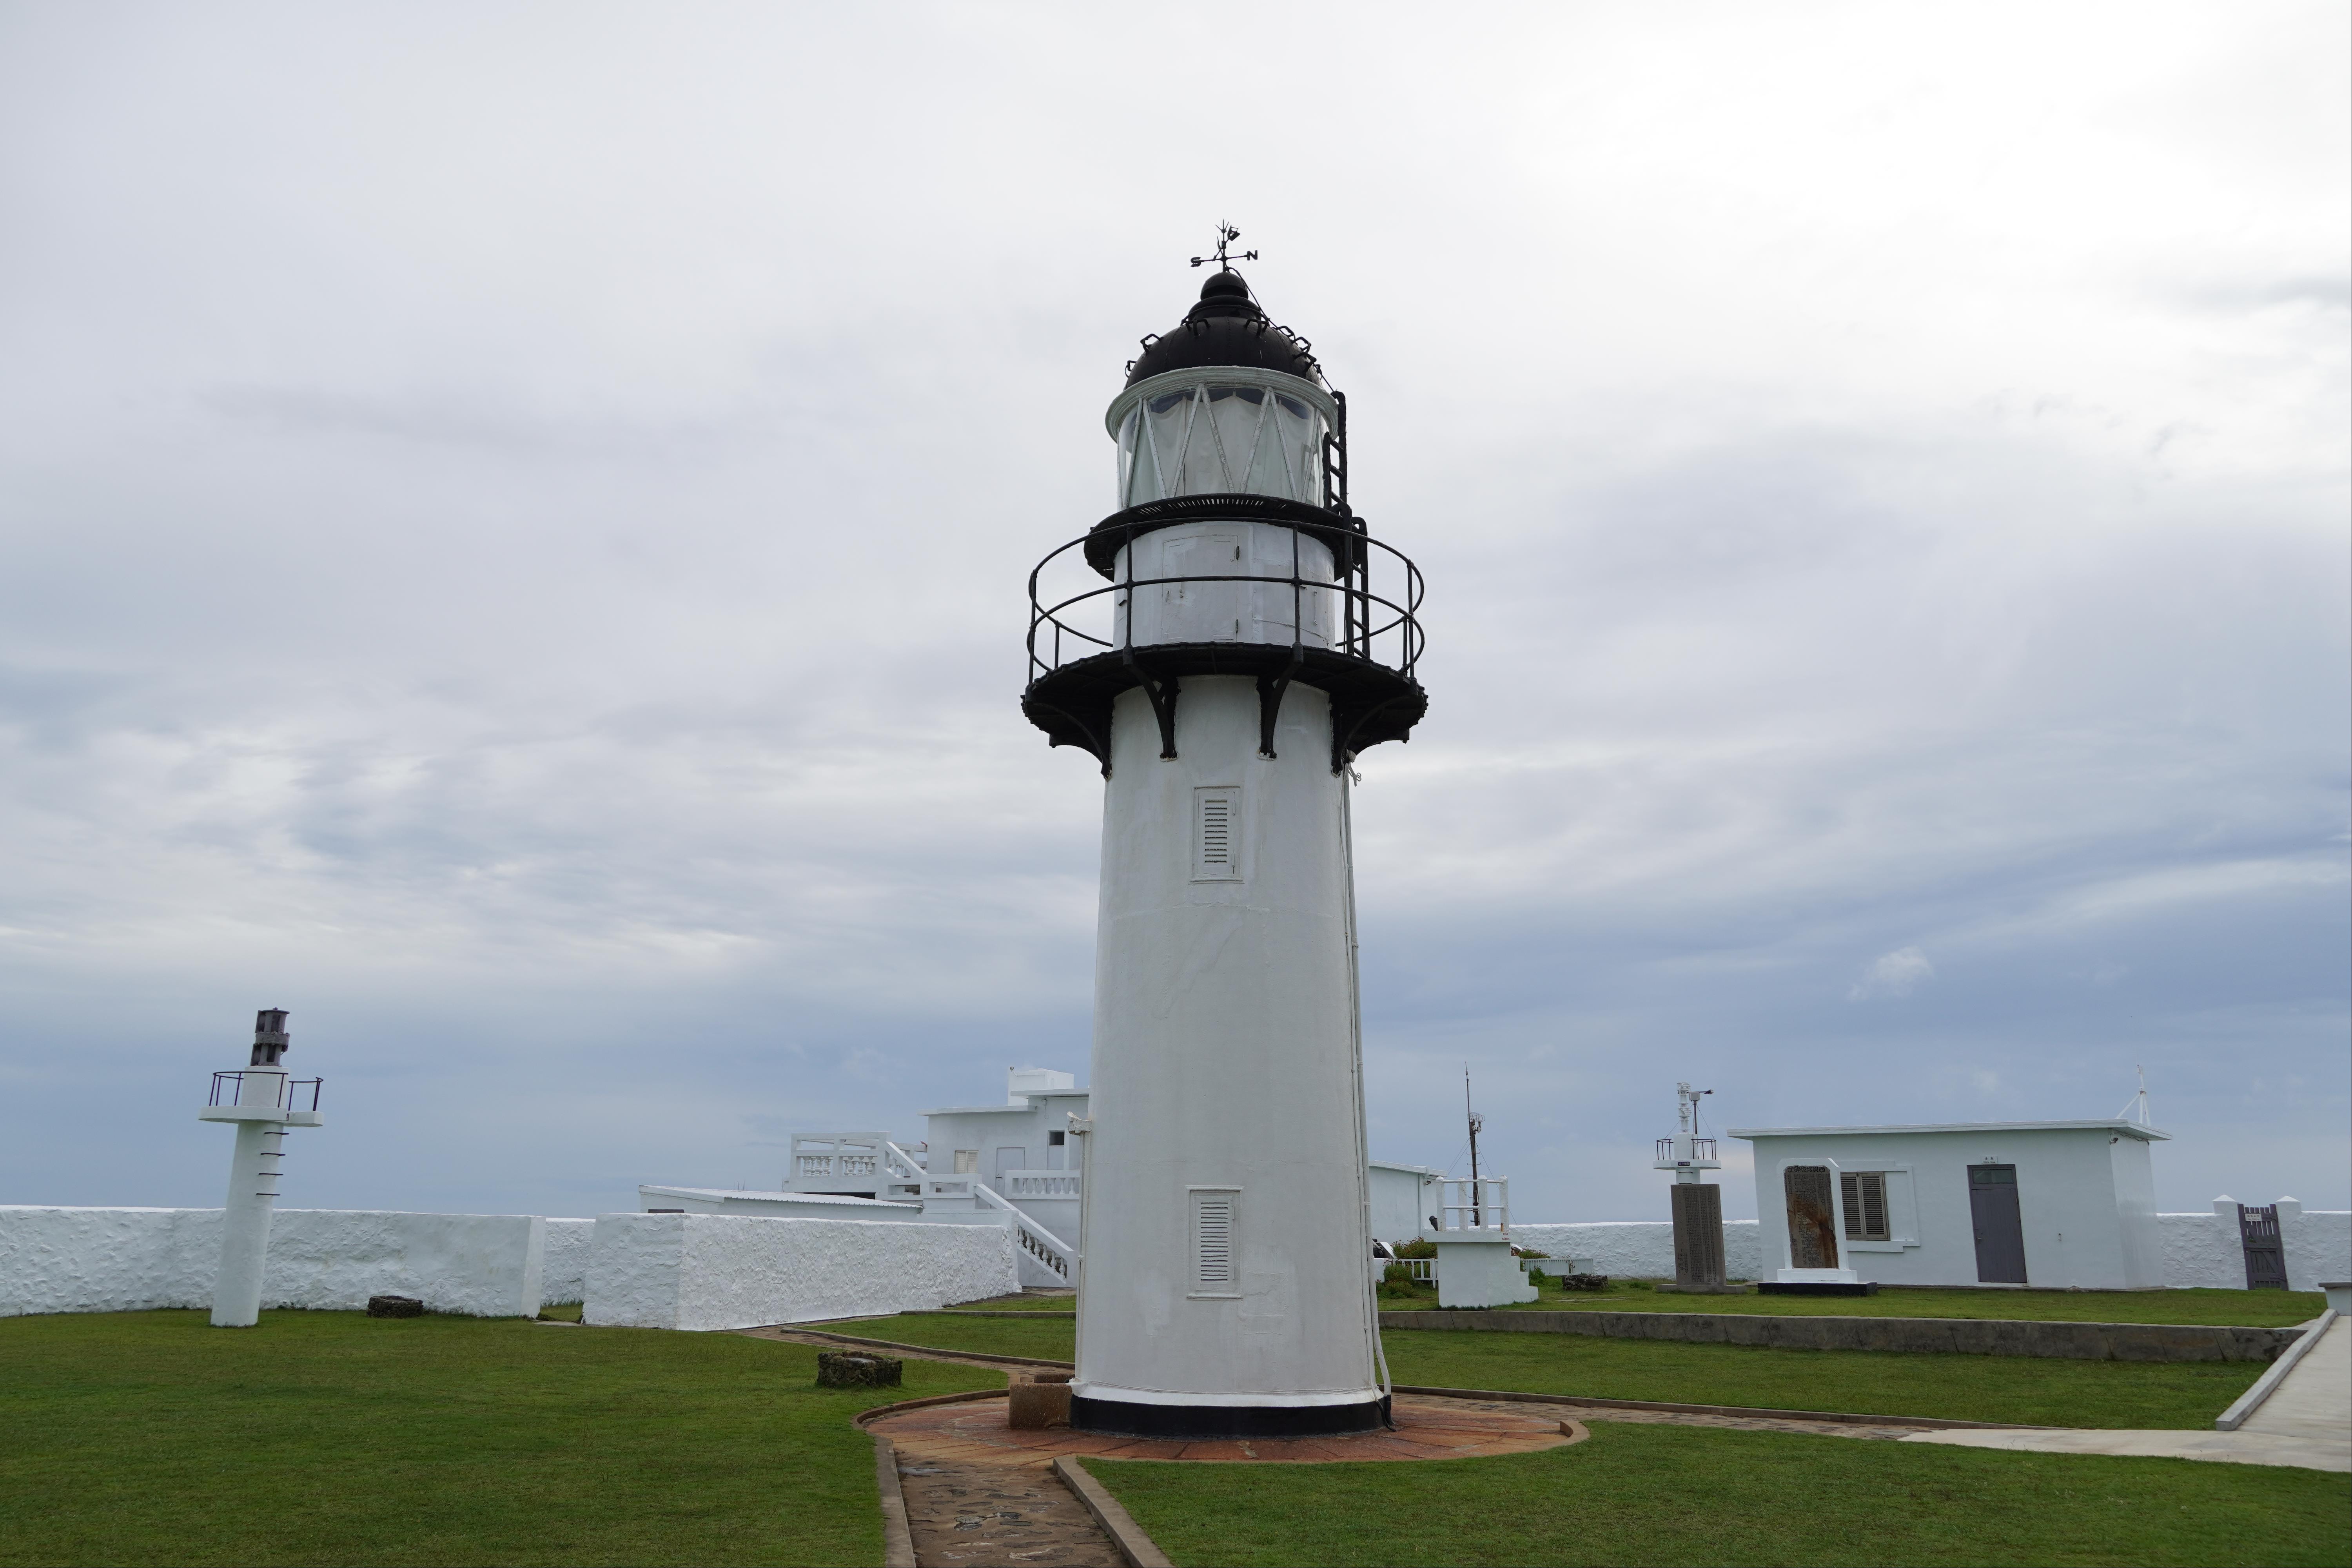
[
  {"x": 906, "y": 1170},
  {"x": 1049, "y": 1248},
  {"x": 1481, "y": 1202}
]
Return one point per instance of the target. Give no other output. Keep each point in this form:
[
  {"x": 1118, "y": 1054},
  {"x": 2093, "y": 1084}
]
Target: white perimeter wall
[
  {"x": 2204, "y": 1249},
  {"x": 2199, "y": 1249},
  {"x": 1640, "y": 1249},
  {"x": 563, "y": 1278},
  {"x": 125, "y": 1259},
  {"x": 726, "y": 1271}
]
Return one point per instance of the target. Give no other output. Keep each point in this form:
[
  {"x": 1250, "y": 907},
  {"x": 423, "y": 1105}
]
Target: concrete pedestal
[
  {"x": 1698, "y": 1234},
  {"x": 1479, "y": 1272},
  {"x": 1817, "y": 1276}
]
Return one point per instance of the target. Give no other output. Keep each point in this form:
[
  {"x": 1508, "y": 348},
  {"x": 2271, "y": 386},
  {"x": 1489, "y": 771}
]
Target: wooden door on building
[
  {"x": 2001, "y": 1231},
  {"x": 1812, "y": 1218},
  {"x": 2258, "y": 1233}
]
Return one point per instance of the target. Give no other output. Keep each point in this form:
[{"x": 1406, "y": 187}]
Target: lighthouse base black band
[{"x": 1128, "y": 1418}]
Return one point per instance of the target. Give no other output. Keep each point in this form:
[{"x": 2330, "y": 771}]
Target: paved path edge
[
  {"x": 1140, "y": 1550},
  {"x": 2232, "y": 1418},
  {"x": 897, "y": 1532}
]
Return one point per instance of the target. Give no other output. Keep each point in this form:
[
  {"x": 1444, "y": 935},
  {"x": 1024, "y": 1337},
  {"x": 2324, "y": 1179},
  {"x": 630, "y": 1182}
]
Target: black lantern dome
[{"x": 1225, "y": 327}]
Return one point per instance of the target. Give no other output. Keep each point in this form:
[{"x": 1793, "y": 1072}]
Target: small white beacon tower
[
  {"x": 1697, "y": 1203},
  {"x": 1225, "y": 644},
  {"x": 263, "y": 1102}
]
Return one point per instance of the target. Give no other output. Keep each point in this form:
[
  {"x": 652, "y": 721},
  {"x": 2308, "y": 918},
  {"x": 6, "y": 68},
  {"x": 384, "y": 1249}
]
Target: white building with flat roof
[
  {"x": 1015, "y": 1164},
  {"x": 2021, "y": 1203}
]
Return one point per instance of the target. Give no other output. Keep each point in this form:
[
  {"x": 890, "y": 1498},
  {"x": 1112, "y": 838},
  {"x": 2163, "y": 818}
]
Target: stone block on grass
[
  {"x": 395, "y": 1307},
  {"x": 844, "y": 1368}
]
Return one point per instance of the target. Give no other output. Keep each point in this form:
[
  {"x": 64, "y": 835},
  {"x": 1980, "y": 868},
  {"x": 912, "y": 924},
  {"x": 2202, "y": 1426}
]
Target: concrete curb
[
  {"x": 932, "y": 1353},
  {"x": 2232, "y": 1418},
  {"x": 1841, "y": 1418},
  {"x": 898, "y": 1533},
  {"x": 1945, "y": 1336},
  {"x": 1134, "y": 1545},
  {"x": 967, "y": 1398}
]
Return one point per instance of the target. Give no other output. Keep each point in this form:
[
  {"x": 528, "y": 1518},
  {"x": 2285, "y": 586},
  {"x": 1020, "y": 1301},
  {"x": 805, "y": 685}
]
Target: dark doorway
[
  {"x": 2001, "y": 1234},
  {"x": 2258, "y": 1233},
  {"x": 1812, "y": 1223}
]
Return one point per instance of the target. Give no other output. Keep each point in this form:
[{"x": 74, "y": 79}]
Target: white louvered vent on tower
[
  {"x": 1212, "y": 1240},
  {"x": 1217, "y": 834}
]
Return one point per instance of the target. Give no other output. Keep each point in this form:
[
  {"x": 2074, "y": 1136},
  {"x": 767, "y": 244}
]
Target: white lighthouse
[
  {"x": 262, "y": 1101},
  {"x": 1246, "y": 639}
]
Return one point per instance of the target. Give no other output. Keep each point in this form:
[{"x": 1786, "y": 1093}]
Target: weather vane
[{"x": 1226, "y": 234}]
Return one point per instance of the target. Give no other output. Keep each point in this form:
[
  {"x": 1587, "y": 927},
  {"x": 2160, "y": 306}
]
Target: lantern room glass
[{"x": 1213, "y": 436}]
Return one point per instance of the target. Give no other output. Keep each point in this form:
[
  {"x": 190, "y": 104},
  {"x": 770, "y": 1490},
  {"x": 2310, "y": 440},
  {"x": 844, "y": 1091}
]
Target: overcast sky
[{"x": 515, "y": 523}]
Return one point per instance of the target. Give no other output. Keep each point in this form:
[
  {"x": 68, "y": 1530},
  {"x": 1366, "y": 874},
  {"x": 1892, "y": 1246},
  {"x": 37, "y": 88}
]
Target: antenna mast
[{"x": 1475, "y": 1121}]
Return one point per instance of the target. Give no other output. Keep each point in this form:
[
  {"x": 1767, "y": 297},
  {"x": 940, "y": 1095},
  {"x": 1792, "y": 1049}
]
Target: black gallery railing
[{"x": 1367, "y": 616}]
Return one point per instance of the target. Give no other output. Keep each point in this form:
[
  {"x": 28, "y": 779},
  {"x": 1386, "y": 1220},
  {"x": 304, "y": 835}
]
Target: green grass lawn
[
  {"x": 1683, "y": 1495},
  {"x": 2030, "y": 1391},
  {"x": 2245, "y": 1309},
  {"x": 1065, "y": 1305},
  {"x": 333, "y": 1437},
  {"x": 1048, "y": 1338}
]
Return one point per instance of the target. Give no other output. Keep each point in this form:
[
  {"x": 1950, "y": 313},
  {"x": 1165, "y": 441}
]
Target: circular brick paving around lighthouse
[{"x": 975, "y": 1431}]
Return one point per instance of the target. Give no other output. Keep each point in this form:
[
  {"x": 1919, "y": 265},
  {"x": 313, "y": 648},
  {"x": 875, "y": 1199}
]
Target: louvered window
[
  {"x": 1217, "y": 834},
  {"x": 1865, "y": 1193},
  {"x": 1214, "y": 1217}
]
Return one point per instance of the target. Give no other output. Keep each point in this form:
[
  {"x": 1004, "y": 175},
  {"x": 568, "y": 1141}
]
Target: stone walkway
[
  {"x": 981, "y": 1495},
  {"x": 996, "y": 1515}
]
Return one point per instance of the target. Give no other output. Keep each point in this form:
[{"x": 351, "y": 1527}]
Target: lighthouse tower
[{"x": 1225, "y": 644}]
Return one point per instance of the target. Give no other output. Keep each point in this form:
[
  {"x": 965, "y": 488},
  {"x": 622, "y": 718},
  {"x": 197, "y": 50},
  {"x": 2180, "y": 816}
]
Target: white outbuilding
[{"x": 2021, "y": 1203}]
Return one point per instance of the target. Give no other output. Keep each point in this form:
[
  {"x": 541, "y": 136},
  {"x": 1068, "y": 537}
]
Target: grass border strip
[
  {"x": 1841, "y": 1418},
  {"x": 2052, "y": 1339},
  {"x": 1138, "y": 1547},
  {"x": 897, "y": 1530}
]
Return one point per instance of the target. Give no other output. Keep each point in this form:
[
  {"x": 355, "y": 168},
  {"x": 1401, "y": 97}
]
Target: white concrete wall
[
  {"x": 106, "y": 1260},
  {"x": 125, "y": 1259},
  {"x": 1403, "y": 1200},
  {"x": 2318, "y": 1243},
  {"x": 564, "y": 1276},
  {"x": 2202, "y": 1249},
  {"x": 725, "y": 1272},
  {"x": 1640, "y": 1249}
]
